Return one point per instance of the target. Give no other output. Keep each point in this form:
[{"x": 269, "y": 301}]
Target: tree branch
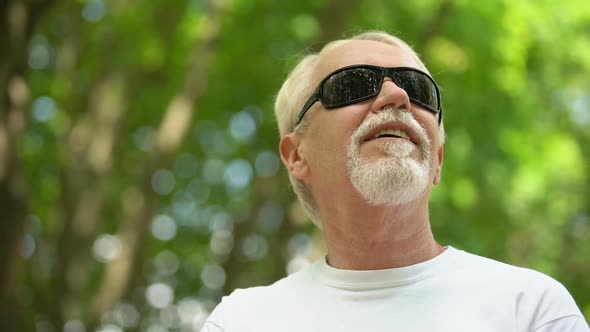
[{"x": 91, "y": 146}]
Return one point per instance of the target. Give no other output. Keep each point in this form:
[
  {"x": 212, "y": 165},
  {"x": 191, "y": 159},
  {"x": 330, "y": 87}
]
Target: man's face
[{"x": 343, "y": 147}]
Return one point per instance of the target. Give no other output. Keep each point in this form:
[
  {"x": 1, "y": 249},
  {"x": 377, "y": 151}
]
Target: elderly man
[{"x": 362, "y": 138}]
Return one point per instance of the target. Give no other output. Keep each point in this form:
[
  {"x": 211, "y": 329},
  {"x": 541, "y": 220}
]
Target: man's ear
[
  {"x": 440, "y": 155},
  {"x": 292, "y": 155}
]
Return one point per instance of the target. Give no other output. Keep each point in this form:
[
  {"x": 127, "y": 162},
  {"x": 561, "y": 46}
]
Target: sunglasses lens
[
  {"x": 350, "y": 85},
  {"x": 419, "y": 88}
]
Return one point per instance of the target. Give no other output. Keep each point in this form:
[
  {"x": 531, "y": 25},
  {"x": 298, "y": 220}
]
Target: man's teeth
[{"x": 392, "y": 132}]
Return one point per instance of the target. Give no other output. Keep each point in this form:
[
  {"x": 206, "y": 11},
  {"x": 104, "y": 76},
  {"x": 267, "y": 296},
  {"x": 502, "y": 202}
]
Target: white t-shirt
[{"x": 455, "y": 291}]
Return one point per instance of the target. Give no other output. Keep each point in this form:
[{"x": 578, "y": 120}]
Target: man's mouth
[
  {"x": 395, "y": 133},
  {"x": 392, "y": 130}
]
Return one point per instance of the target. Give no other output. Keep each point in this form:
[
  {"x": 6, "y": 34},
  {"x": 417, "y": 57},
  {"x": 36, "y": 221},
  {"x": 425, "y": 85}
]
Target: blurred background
[{"x": 139, "y": 175}]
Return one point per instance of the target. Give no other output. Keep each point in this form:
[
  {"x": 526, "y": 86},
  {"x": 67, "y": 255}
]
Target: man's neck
[{"x": 372, "y": 238}]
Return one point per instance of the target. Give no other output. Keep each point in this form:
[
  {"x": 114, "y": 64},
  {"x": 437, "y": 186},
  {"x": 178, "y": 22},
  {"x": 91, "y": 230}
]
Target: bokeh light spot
[
  {"x": 299, "y": 244},
  {"x": 254, "y": 247},
  {"x": 106, "y": 248},
  {"x": 109, "y": 328},
  {"x": 213, "y": 170},
  {"x": 126, "y": 315},
  {"x": 163, "y": 228},
  {"x": 304, "y": 27},
  {"x": 39, "y": 52},
  {"x": 74, "y": 325},
  {"x": 170, "y": 317},
  {"x": 166, "y": 262},
  {"x": 238, "y": 174},
  {"x": 145, "y": 138},
  {"x": 43, "y": 109},
  {"x": 222, "y": 242},
  {"x": 163, "y": 182},
  {"x": 221, "y": 220},
  {"x": 159, "y": 295},
  {"x": 192, "y": 312},
  {"x": 183, "y": 204},
  {"x": 213, "y": 276},
  {"x": 28, "y": 246},
  {"x": 464, "y": 193},
  {"x": 242, "y": 127},
  {"x": 156, "y": 328},
  {"x": 94, "y": 10},
  {"x": 581, "y": 109}
]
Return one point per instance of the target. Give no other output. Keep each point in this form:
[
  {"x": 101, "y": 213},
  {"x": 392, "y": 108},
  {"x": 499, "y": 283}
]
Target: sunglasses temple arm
[{"x": 305, "y": 108}]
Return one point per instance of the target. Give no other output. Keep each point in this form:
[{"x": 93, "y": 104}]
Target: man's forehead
[{"x": 362, "y": 52}]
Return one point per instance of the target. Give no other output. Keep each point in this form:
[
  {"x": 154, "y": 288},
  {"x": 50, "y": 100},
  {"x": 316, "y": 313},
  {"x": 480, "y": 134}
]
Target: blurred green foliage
[{"x": 103, "y": 75}]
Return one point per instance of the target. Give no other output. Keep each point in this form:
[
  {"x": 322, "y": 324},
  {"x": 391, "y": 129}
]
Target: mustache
[{"x": 387, "y": 115}]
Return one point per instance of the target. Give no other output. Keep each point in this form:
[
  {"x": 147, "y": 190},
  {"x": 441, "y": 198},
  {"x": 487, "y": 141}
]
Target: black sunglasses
[{"x": 353, "y": 84}]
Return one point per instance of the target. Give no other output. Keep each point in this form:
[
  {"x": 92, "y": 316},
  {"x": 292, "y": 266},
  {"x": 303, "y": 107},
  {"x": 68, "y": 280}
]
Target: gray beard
[{"x": 396, "y": 179}]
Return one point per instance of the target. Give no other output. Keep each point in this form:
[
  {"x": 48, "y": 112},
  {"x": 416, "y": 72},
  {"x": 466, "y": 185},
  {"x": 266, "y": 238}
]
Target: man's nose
[{"x": 391, "y": 95}]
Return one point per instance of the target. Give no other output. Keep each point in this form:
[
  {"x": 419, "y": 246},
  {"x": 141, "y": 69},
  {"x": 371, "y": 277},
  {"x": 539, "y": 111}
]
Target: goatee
[{"x": 398, "y": 178}]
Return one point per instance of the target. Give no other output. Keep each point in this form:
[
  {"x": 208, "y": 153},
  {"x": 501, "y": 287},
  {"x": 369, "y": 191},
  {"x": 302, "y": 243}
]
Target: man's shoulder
[
  {"x": 490, "y": 268},
  {"x": 245, "y": 305},
  {"x": 282, "y": 288},
  {"x": 496, "y": 272},
  {"x": 536, "y": 295}
]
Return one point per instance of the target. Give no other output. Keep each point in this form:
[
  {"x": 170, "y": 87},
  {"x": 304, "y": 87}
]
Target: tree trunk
[{"x": 17, "y": 22}]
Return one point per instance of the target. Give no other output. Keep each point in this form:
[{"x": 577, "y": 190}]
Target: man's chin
[
  {"x": 383, "y": 158},
  {"x": 397, "y": 199},
  {"x": 387, "y": 148},
  {"x": 395, "y": 190}
]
